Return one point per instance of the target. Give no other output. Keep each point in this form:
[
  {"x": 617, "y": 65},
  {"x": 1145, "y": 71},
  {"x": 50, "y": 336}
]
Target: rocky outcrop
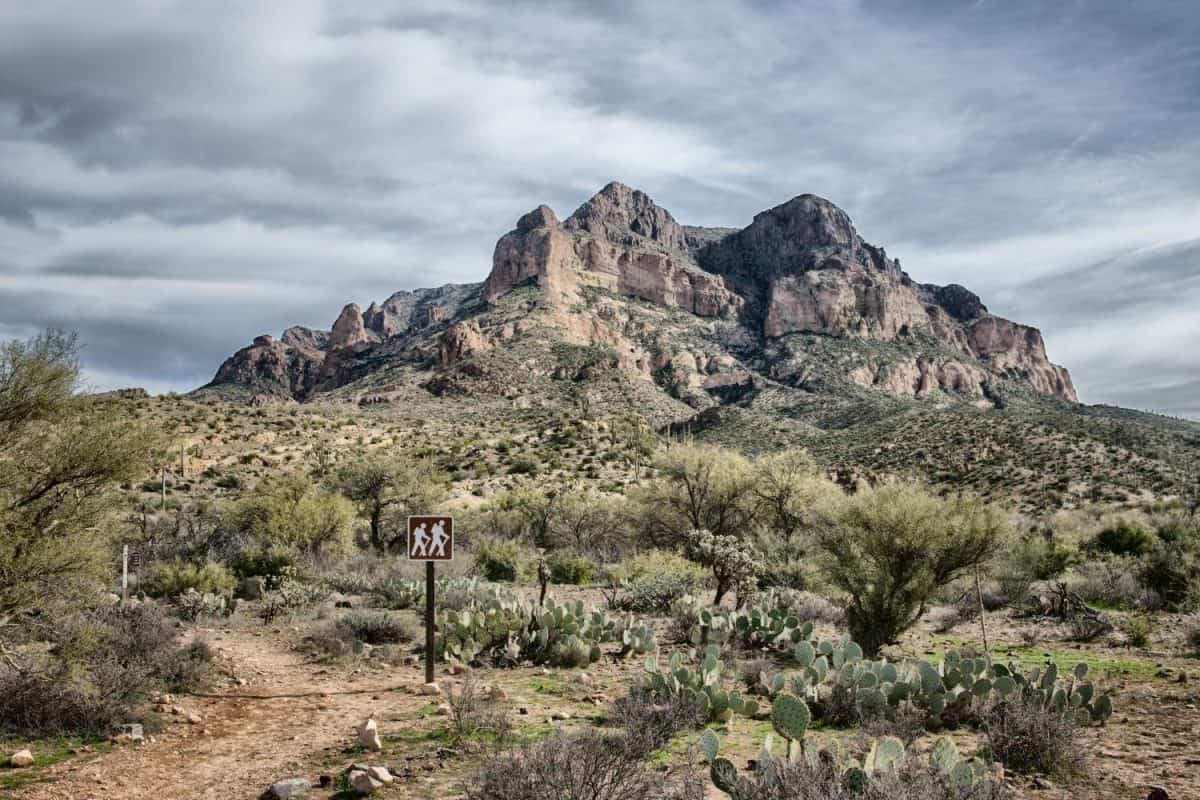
[
  {"x": 460, "y": 341},
  {"x": 917, "y": 377},
  {"x": 627, "y": 217},
  {"x": 305, "y": 360},
  {"x": 797, "y": 270},
  {"x": 619, "y": 241},
  {"x": 348, "y": 329},
  {"x": 406, "y": 312},
  {"x": 273, "y": 368}
]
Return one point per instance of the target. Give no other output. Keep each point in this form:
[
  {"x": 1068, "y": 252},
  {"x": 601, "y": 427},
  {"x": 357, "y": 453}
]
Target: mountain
[
  {"x": 776, "y": 296},
  {"x": 790, "y": 332}
]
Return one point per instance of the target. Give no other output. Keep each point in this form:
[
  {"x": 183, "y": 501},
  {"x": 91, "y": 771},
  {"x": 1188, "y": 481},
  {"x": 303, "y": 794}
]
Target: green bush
[
  {"x": 651, "y": 582},
  {"x": 1137, "y": 628},
  {"x": 1172, "y": 574},
  {"x": 570, "y": 568},
  {"x": 892, "y": 547},
  {"x": 1123, "y": 537},
  {"x": 171, "y": 580},
  {"x": 376, "y": 627},
  {"x": 499, "y": 560}
]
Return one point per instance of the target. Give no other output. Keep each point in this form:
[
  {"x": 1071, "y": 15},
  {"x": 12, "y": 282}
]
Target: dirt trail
[{"x": 243, "y": 744}]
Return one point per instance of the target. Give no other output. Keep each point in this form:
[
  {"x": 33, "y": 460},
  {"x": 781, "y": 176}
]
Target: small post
[
  {"x": 182, "y": 468},
  {"x": 164, "y": 488},
  {"x": 124, "y": 574},
  {"x": 982, "y": 622},
  {"x": 429, "y": 585}
]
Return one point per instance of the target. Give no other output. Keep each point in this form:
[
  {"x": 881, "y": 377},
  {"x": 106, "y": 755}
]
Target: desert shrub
[
  {"x": 1171, "y": 573},
  {"x": 653, "y": 581},
  {"x": 782, "y": 572},
  {"x": 474, "y": 714},
  {"x": 192, "y": 605},
  {"x": 804, "y": 606},
  {"x": 1086, "y": 628},
  {"x": 289, "y": 516},
  {"x": 102, "y": 666},
  {"x": 525, "y": 465},
  {"x": 1124, "y": 536},
  {"x": 653, "y": 594},
  {"x": 570, "y": 568},
  {"x": 650, "y": 722},
  {"x": 699, "y": 487},
  {"x": 586, "y": 766},
  {"x": 891, "y": 548},
  {"x": 1137, "y": 628},
  {"x": 288, "y": 595},
  {"x": 1111, "y": 583},
  {"x": 499, "y": 560},
  {"x": 1033, "y": 556},
  {"x": 169, "y": 580},
  {"x": 1027, "y": 735},
  {"x": 376, "y": 627},
  {"x": 1191, "y": 634}
]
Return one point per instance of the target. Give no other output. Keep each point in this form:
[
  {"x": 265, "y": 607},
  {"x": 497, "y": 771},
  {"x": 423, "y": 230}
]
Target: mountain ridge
[{"x": 760, "y": 297}]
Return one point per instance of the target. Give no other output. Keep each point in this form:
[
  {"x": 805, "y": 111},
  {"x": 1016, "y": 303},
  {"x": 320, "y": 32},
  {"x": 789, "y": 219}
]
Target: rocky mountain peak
[
  {"x": 541, "y": 217},
  {"x": 960, "y": 302},
  {"x": 349, "y": 328},
  {"x": 623, "y": 215}
]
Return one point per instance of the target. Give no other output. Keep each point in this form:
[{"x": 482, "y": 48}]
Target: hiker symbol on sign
[{"x": 431, "y": 538}]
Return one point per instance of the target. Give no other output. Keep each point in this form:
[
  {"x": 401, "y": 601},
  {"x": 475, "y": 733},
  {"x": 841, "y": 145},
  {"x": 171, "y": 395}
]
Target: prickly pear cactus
[{"x": 790, "y": 717}]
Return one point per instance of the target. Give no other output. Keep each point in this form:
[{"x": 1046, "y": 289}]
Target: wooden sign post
[{"x": 430, "y": 539}]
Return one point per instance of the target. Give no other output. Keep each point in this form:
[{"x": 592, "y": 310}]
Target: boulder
[
  {"x": 368, "y": 735},
  {"x": 287, "y": 788},
  {"x": 363, "y": 783},
  {"x": 380, "y": 774},
  {"x": 21, "y": 758}
]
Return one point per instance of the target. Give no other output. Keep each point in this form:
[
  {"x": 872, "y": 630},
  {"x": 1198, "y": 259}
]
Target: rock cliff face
[
  {"x": 797, "y": 270},
  {"x": 620, "y": 241},
  {"x": 304, "y": 361}
]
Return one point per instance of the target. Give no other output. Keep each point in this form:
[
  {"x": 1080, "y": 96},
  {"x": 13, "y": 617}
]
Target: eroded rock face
[
  {"x": 305, "y": 360},
  {"x": 348, "y": 329},
  {"x": 797, "y": 269},
  {"x": 620, "y": 241},
  {"x": 286, "y": 369}
]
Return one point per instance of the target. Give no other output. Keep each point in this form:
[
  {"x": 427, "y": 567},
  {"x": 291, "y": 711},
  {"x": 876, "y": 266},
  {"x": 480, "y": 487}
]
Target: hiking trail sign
[{"x": 430, "y": 539}]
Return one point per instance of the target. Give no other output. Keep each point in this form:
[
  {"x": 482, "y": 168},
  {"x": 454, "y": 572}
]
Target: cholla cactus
[{"x": 733, "y": 561}]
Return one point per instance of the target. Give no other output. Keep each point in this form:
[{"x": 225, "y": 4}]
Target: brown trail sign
[{"x": 430, "y": 539}]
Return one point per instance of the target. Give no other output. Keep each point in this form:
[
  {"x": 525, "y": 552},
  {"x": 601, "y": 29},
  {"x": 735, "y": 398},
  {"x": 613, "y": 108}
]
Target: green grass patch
[
  {"x": 544, "y": 685},
  {"x": 46, "y": 752},
  {"x": 1066, "y": 660}
]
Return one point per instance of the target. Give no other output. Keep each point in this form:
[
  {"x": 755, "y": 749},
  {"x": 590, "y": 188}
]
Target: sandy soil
[{"x": 296, "y": 717}]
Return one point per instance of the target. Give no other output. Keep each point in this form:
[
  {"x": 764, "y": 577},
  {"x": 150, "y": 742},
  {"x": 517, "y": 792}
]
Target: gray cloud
[{"x": 179, "y": 177}]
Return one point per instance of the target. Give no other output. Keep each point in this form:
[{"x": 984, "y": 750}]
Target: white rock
[
  {"x": 444, "y": 709},
  {"x": 363, "y": 783},
  {"x": 21, "y": 758},
  {"x": 368, "y": 735},
  {"x": 431, "y": 689},
  {"x": 380, "y": 774}
]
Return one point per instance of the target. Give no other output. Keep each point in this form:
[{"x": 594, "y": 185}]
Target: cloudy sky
[{"x": 177, "y": 177}]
